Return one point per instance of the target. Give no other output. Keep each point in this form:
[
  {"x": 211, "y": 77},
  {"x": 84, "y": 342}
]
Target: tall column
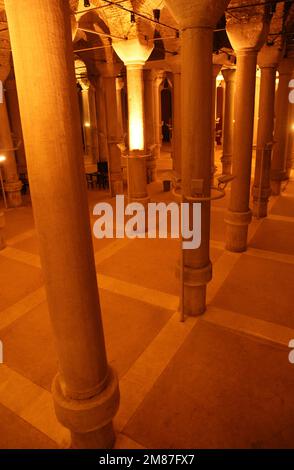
[
  {"x": 177, "y": 121},
  {"x": 13, "y": 110},
  {"x": 216, "y": 68},
  {"x": 246, "y": 41},
  {"x": 268, "y": 59},
  {"x": 228, "y": 127},
  {"x": 85, "y": 391},
  {"x": 134, "y": 55},
  {"x": 101, "y": 120},
  {"x": 290, "y": 141},
  {"x": 109, "y": 74},
  {"x": 159, "y": 78},
  {"x": 150, "y": 125},
  {"x": 197, "y": 20},
  {"x": 90, "y": 125},
  {"x": 278, "y": 172},
  {"x": 120, "y": 83}
]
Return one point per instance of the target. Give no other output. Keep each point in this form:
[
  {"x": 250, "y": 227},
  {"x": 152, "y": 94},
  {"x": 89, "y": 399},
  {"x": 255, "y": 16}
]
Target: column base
[
  {"x": 13, "y": 193},
  {"x": 195, "y": 281},
  {"x": 2, "y": 225},
  {"x": 237, "y": 230},
  {"x": 89, "y": 420}
]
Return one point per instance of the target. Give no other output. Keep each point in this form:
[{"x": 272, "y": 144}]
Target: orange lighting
[{"x": 2, "y": 158}]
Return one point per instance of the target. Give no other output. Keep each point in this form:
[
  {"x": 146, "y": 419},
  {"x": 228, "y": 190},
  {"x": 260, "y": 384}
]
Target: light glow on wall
[{"x": 2, "y": 158}]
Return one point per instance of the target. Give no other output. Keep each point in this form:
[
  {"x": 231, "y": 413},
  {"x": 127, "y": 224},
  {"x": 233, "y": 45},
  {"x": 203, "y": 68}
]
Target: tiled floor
[{"x": 223, "y": 380}]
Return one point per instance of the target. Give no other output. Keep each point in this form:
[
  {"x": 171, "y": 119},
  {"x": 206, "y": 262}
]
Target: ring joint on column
[
  {"x": 194, "y": 277},
  {"x": 84, "y": 416},
  {"x": 238, "y": 218}
]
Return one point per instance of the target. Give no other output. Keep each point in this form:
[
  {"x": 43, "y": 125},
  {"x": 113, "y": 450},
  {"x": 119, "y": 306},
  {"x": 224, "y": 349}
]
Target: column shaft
[
  {"x": 177, "y": 129},
  {"x": 196, "y": 166},
  {"x": 85, "y": 391},
  {"x": 137, "y": 175},
  {"x": 150, "y": 130},
  {"x": 228, "y": 127},
  {"x": 12, "y": 184},
  {"x": 239, "y": 214},
  {"x": 13, "y": 110},
  {"x": 113, "y": 138},
  {"x": 261, "y": 187},
  {"x": 278, "y": 171}
]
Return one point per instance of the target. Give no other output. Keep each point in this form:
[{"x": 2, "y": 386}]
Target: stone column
[
  {"x": 13, "y": 111},
  {"x": 12, "y": 183},
  {"x": 101, "y": 120},
  {"x": 85, "y": 391},
  {"x": 150, "y": 124},
  {"x": 247, "y": 33},
  {"x": 216, "y": 68},
  {"x": 90, "y": 125},
  {"x": 290, "y": 141},
  {"x": 134, "y": 55},
  {"x": 197, "y": 20},
  {"x": 119, "y": 82},
  {"x": 268, "y": 59},
  {"x": 177, "y": 123},
  {"x": 109, "y": 74},
  {"x": 278, "y": 171},
  {"x": 159, "y": 78},
  {"x": 228, "y": 127}
]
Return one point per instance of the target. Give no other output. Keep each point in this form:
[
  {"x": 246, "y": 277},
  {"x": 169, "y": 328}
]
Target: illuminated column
[
  {"x": 85, "y": 391},
  {"x": 268, "y": 59},
  {"x": 101, "y": 120},
  {"x": 150, "y": 125},
  {"x": 197, "y": 20},
  {"x": 246, "y": 41},
  {"x": 13, "y": 110},
  {"x": 228, "y": 128},
  {"x": 12, "y": 184},
  {"x": 90, "y": 125},
  {"x": 152, "y": 109},
  {"x": 175, "y": 63},
  {"x": 119, "y": 82},
  {"x": 216, "y": 68},
  {"x": 278, "y": 171},
  {"x": 159, "y": 78},
  {"x": 134, "y": 55},
  {"x": 290, "y": 141},
  {"x": 109, "y": 74}
]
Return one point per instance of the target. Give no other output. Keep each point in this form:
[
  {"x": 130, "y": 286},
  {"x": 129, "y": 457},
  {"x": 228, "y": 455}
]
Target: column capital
[
  {"x": 197, "y": 13},
  {"x": 248, "y": 28},
  {"x": 229, "y": 74},
  {"x": 269, "y": 56},
  {"x": 133, "y": 52}
]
